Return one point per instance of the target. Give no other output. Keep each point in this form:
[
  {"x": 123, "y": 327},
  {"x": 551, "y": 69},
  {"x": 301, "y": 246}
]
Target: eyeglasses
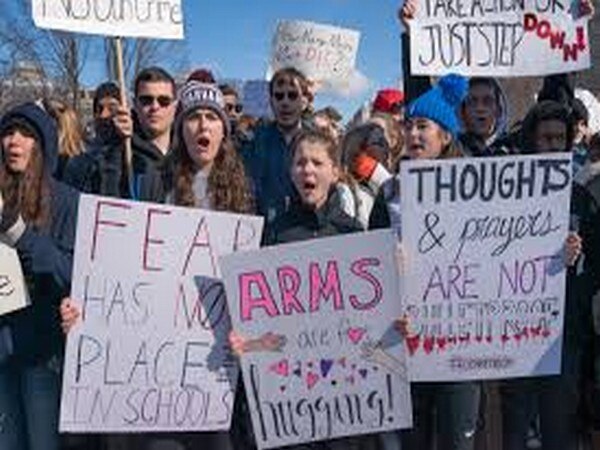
[
  {"x": 291, "y": 95},
  {"x": 147, "y": 100},
  {"x": 229, "y": 107}
]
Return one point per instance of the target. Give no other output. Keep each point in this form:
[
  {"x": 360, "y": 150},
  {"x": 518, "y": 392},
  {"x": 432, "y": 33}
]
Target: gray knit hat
[{"x": 194, "y": 95}]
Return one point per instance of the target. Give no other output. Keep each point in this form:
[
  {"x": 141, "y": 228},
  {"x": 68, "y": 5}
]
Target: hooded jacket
[
  {"x": 46, "y": 255},
  {"x": 496, "y": 144},
  {"x": 299, "y": 223},
  {"x": 100, "y": 170},
  {"x": 267, "y": 160}
]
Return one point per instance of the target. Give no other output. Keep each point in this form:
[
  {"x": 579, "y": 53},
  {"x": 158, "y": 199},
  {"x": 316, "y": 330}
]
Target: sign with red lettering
[
  {"x": 498, "y": 39},
  {"x": 150, "y": 352},
  {"x": 323, "y": 359},
  {"x": 321, "y": 52},
  {"x": 484, "y": 283}
]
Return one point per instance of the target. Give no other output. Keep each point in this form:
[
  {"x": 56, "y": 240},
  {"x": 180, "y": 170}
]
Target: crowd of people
[{"x": 192, "y": 146}]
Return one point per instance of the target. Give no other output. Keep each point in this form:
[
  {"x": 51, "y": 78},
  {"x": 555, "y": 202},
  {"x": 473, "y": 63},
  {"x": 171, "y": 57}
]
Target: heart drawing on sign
[
  {"x": 311, "y": 380},
  {"x": 326, "y": 365},
  {"x": 281, "y": 368},
  {"x": 356, "y": 334},
  {"x": 412, "y": 343}
]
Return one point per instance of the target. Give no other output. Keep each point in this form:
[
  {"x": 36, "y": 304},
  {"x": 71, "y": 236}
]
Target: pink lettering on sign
[
  {"x": 102, "y": 204},
  {"x": 331, "y": 286},
  {"x": 359, "y": 268},
  {"x": 322, "y": 284},
  {"x": 289, "y": 284},
  {"x": 201, "y": 240},
  {"x": 248, "y": 302},
  {"x": 150, "y": 240}
]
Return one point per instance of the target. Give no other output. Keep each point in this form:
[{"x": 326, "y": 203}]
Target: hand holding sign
[
  {"x": 123, "y": 122},
  {"x": 69, "y": 314},
  {"x": 407, "y": 12},
  {"x": 573, "y": 247}
]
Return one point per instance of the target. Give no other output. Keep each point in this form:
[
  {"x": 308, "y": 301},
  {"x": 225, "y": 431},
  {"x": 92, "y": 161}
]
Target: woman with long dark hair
[{"x": 37, "y": 219}]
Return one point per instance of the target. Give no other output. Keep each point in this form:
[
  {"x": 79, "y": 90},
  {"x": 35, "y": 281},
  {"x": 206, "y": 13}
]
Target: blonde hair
[{"x": 70, "y": 135}]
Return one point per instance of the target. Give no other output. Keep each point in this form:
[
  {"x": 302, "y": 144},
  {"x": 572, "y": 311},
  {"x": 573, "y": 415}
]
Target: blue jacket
[
  {"x": 267, "y": 159},
  {"x": 46, "y": 255}
]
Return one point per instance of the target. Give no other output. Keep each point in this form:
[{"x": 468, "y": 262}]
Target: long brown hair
[
  {"x": 228, "y": 188},
  {"x": 28, "y": 192}
]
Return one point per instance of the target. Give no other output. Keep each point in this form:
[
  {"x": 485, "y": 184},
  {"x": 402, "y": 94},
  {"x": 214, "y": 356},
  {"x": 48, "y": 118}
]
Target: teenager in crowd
[
  {"x": 315, "y": 211},
  {"x": 367, "y": 160},
  {"x": 204, "y": 171},
  {"x": 37, "y": 219},
  {"x": 234, "y": 108},
  {"x": 149, "y": 127},
  {"x": 431, "y": 132},
  {"x": 267, "y": 157},
  {"x": 548, "y": 128}
]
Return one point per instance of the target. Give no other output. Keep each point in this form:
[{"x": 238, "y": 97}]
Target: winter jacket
[
  {"x": 100, "y": 169},
  {"x": 592, "y": 249},
  {"x": 299, "y": 223},
  {"x": 46, "y": 256},
  {"x": 267, "y": 160}
]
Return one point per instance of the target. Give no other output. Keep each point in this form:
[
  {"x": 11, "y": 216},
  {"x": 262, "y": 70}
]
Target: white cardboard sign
[
  {"x": 484, "y": 282},
  {"x": 13, "y": 291},
  {"x": 151, "y": 19},
  {"x": 498, "y": 39},
  {"x": 150, "y": 352},
  {"x": 320, "y": 52},
  {"x": 342, "y": 369}
]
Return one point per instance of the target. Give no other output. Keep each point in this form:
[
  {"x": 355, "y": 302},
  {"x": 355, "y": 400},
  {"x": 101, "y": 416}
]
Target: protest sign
[
  {"x": 320, "y": 52},
  {"x": 484, "y": 283},
  {"x": 341, "y": 370},
  {"x": 256, "y": 98},
  {"x": 150, "y": 352},
  {"x": 142, "y": 18},
  {"x": 498, "y": 39},
  {"x": 13, "y": 292}
]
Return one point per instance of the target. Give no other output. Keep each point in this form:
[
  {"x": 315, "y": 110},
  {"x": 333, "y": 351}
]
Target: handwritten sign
[
  {"x": 150, "y": 352},
  {"x": 321, "y": 52},
  {"x": 153, "y": 19},
  {"x": 503, "y": 39},
  {"x": 13, "y": 292},
  {"x": 484, "y": 285},
  {"x": 342, "y": 370}
]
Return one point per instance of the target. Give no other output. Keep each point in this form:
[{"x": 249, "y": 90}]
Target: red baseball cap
[{"x": 387, "y": 100}]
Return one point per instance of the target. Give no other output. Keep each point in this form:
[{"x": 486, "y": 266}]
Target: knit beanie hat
[
  {"x": 195, "y": 95},
  {"x": 441, "y": 103}
]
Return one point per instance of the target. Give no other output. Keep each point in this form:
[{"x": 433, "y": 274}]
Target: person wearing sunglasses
[
  {"x": 267, "y": 157},
  {"x": 233, "y": 107},
  {"x": 241, "y": 135},
  {"x": 103, "y": 171}
]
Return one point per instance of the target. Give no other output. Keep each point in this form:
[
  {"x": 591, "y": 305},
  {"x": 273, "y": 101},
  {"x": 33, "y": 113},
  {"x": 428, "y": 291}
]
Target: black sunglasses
[
  {"x": 147, "y": 100},
  {"x": 291, "y": 95},
  {"x": 231, "y": 107}
]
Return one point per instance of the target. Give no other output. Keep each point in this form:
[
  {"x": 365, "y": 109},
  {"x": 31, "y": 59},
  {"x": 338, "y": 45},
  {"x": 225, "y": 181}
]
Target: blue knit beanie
[{"x": 441, "y": 102}]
